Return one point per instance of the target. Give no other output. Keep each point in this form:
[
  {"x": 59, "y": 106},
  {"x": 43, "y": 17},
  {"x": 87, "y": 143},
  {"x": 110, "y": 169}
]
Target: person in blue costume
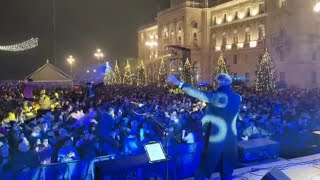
[{"x": 219, "y": 127}]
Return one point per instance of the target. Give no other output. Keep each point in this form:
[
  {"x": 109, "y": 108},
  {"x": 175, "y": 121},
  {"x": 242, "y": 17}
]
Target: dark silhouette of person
[{"x": 219, "y": 127}]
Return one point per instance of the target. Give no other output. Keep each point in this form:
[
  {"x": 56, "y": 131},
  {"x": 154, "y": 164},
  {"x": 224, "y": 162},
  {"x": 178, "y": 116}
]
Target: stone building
[{"x": 242, "y": 30}]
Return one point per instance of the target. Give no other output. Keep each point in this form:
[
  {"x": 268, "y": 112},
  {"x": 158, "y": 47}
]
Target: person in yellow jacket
[
  {"x": 11, "y": 117},
  {"x": 44, "y": 102}
]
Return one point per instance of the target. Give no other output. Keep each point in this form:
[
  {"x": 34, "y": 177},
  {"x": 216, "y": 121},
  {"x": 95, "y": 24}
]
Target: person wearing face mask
[{"x": 219, "y": 126}]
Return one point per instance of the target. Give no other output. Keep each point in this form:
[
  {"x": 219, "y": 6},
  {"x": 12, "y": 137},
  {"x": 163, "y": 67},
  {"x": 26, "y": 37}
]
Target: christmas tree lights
[
  {"x": 187, "y": 72},
  {"x": 162, "y": 76},
  {"x": 221, "y": 67},
  {"x": 265, "y": 81},
  {"x": 141, "y": 74},
  {"x": 116, "y": 74},
  {"x": 127, "y": 79}
]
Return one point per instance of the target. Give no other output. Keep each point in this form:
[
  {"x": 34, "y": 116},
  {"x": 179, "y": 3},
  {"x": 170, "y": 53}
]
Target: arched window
[
  {"x": 248, "y": 12},
  {"x": 195, "y": 25},
  {"x": 236, "y": 16},
  {"x": 214, "y": 40},
  {"x": 247, "y": 35},
  {"x": 195, "y": 39},
  {"x": 282, "y": 3},
  {"x": 214, "y": 21},
  {"x": 235, "y": 37},
  {"x": 261, "y": 32},
  {"x": 165, "y": 32},
  {"x": 224, "y": 39}
]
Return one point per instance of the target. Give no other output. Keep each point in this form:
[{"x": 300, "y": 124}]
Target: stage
[{"x": 303, "y": 168}]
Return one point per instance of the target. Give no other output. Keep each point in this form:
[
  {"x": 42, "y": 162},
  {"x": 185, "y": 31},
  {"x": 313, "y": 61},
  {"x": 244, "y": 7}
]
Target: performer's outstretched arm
[{"x": 201, "y": 95}]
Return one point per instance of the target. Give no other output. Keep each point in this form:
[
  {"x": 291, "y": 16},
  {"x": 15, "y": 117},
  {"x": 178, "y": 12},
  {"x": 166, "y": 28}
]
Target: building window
[
  {"x": 179, "y": 40},
  {"x": 235, "y": 59},
  {"x": 248, "y": 12},
  {"x": 261, "y": 8},
  {"x": 214, "y": 40},
  {"x": 195, "y": 39},
  {"x": 282, "y": 3},
  {"x": 261, "y": 32},
  {"x": 224, "y": 39},
  {"x": 235, "y": 39},
  {"x": 247, "y": 77},
  {"x": 214, "y": 22},
  {"x": 282, "y": 77},
  {"x": 314, "y": 77},
  {"x": 248, "y": 37},
  {"x": 236, "y": 17},
  {"x": 195, "y": 25},
  {"x": 225, "y": 18}
]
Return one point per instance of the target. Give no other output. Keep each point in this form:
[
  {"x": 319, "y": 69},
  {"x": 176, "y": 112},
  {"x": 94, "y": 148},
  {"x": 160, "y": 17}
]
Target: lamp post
[
  {"x": 71, "y": 60},
  {"x": 99, "y": 55}
]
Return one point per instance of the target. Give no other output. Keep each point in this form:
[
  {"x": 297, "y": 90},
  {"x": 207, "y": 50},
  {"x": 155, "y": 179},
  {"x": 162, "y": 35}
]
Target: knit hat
[{"x": 224, "y": 79}]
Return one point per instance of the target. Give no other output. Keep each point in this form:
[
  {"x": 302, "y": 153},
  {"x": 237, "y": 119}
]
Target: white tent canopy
[{"x": 49, "y": 74}]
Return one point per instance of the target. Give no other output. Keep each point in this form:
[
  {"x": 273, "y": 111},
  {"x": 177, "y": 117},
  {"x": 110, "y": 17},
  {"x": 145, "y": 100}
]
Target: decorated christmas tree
[
  {"x": 186, "y": 75},
  {"x": 141, "y": 74},
  {"x": 265, "y": 81},
  {"x": 116, "y": 74},
  {"x": 127, "y": 79},
  {"x": 221, "y": 67},
  {"x": 108, "y": 75},
  {"x": 162, "y": 76}
]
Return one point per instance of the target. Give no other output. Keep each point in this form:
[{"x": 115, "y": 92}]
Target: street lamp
[
  {"x": 316, "y": 8},
  {"x": 99, "y": 55},
  {"x": 71, "y": 60}
]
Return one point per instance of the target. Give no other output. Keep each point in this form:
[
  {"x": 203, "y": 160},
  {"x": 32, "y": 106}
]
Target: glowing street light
[
  {"x": 317, "y": 7},
  {"x": 94, "y": 71},
  {"x": 99, "y": 55},
  {"x": 71, "y": 60}
]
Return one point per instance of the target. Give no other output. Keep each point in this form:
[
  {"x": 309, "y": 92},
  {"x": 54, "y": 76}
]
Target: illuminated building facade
[{"x": 242, "y": 30}]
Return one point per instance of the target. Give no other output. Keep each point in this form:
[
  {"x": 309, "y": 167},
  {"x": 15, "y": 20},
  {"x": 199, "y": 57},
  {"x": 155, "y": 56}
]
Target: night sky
[{"x": 81, "y": 25}]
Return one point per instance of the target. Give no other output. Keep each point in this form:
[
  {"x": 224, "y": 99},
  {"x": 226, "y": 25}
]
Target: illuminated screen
[{"x": 155, "y": 152}]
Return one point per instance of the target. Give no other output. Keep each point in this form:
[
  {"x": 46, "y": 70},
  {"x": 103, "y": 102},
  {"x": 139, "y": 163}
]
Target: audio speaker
[{"x": 275, "y": 174}]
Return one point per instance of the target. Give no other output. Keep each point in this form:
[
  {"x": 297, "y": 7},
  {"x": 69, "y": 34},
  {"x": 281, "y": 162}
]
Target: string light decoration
[
  {"x": 141, "y": 73},
  {"x": 116, "y": 74},
  {"x": 187, "y": 72},
  {"x": 24, "y": 46},
  {"x": 265, "y": 81},
  {"x": 162, "y": 76},
  {"x": 222, "y": 67},
  {"x": 127, "y": 79}
]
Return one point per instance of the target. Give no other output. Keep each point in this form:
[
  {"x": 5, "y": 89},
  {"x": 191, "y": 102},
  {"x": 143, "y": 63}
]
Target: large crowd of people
[{"x": 52, "y": 126}]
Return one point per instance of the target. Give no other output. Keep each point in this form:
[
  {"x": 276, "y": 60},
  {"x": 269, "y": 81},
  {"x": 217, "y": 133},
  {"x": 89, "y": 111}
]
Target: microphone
[{"x": 137, "y": 104}]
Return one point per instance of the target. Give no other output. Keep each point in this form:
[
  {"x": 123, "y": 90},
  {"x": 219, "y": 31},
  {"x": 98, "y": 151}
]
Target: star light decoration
[{"x": 24, "y": 46}]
